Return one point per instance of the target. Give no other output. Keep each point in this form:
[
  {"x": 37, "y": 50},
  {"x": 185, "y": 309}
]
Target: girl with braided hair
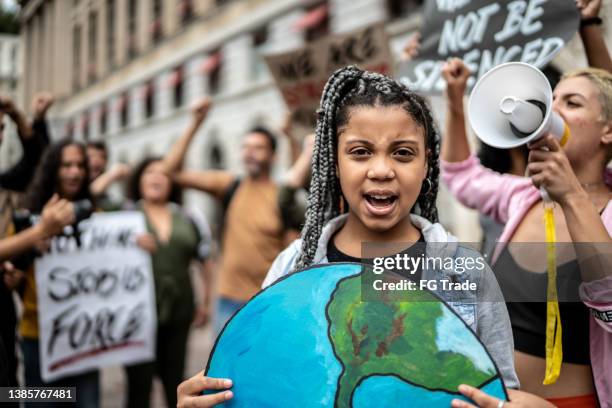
[{"x": 375, "y": 179}]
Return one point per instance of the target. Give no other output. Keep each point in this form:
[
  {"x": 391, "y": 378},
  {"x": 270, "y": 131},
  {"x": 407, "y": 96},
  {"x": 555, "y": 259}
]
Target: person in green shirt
[{"x": 175, "y": 239}]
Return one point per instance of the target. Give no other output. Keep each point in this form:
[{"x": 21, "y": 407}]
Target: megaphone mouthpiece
[
  {"x": 524, "y": 116},
  {"x": 511, "y": 105}
]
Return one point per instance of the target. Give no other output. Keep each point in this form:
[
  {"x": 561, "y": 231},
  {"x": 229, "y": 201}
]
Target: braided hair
[{"x": 350, "y": 87}]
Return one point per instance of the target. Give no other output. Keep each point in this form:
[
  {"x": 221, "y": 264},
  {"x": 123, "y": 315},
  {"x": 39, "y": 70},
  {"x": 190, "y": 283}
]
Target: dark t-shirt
[{"x": 415, "y": 251}]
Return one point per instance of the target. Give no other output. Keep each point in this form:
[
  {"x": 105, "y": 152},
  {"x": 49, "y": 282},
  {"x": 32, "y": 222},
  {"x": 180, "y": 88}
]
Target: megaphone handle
[
  {"x": 543, "y": 193},
  {"x": 545, "y": 197}
]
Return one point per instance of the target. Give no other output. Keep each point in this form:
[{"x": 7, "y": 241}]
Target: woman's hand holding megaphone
[{"x": 550, "y": 168}]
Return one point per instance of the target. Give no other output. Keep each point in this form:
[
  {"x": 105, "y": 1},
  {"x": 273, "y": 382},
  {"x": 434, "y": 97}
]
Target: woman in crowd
[
  {"x": 62, "y": 171},
  {"x": 175, "y": 239},
  {"x": 574, "y": 178}
]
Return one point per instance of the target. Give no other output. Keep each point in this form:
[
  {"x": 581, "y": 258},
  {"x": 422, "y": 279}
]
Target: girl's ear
[
  {"x": 426, "y": 166},
  {"x": 606, "y": 137}
]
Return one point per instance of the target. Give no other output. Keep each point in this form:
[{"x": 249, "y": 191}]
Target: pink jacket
[{"x": 507, "y": 198}]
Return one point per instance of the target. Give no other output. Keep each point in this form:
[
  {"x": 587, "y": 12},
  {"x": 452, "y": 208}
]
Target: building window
[
  {"x": 177, "y": 83},
  {"x": 14, "y": 59},
  {"x": 132, "y": 27},
  {"x": 211, "y": 68},
  {"x": 216, "y": 157},
  {"x": 76, "y": 55},
  {"x": 156, "y": 23},
  {"x": 214, "y": 151},
  {"x": 260, "y": 39},
  {"x": 103, "y": 118},
  {"x": 148, "y": 94},
  {"x": 402, "y": 8},
  {"x": 110, "y": 32},
  {"x": 92, "y": 46},
  {"x": 315, "y": 23},
  {"x": 185, "y": 10},
  {"x": 85, "y": 126},
  {"x": 69, "y": 130},
  {"x": 122, "y": 109}
]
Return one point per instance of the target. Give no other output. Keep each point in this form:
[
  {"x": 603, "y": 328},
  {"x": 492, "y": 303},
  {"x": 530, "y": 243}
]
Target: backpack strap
[{"x": 229, "y": 194}]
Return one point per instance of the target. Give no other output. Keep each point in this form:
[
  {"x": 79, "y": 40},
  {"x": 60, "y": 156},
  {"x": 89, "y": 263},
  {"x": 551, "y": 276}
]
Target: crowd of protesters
[
  {"x": 372, "y": 169},
  {"x": 52, "y": 178}
]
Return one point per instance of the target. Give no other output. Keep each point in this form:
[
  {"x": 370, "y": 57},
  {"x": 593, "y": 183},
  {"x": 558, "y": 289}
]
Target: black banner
[{"x": 487, "y": 33}]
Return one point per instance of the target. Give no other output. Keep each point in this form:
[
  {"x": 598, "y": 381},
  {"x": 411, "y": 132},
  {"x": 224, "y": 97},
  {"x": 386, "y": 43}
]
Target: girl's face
[
  {"x": 577, "y": 100},
  {"x": 155, "y": 185},
  {"x": 71, "y": 172},
  {"x": 382, "y": 162}
]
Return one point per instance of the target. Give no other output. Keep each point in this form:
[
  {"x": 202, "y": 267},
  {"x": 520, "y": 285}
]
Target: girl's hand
[
  {"x": 552, "y": 170},
  {"x": 456, "y": 75},
  {"x": 189, "y": 392},
  {"x": 518, "y": 399},
  {"x": 147, "y": 242}
]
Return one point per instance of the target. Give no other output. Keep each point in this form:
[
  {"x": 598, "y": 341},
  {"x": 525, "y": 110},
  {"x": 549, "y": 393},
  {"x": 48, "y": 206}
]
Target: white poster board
[{"x": 96, "y": 297}]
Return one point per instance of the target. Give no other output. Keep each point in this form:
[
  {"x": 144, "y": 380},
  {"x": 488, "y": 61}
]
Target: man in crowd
[{"x": 253, "y": 232}]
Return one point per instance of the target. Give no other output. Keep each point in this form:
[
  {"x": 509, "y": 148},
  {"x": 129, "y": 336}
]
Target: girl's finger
[
  {"x": 206, "y": 401},
  {"x": 461, "y": 404},
  {"x": 200, "y": 382},
  {"x": 217, "y": 383},
  {"x": 483, "y": 400}
]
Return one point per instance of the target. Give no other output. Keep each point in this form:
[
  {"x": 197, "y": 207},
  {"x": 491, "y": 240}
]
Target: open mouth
[
  {"x": 380, "y": 204},
  {"x": 380, "y": 200}
]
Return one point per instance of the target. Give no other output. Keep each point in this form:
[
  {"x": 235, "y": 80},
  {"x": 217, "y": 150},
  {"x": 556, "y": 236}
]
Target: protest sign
[
  {"x": 487, "y": 33},
  {"x": 96, "y": 298},
  {"x": 301, "y": 74}
]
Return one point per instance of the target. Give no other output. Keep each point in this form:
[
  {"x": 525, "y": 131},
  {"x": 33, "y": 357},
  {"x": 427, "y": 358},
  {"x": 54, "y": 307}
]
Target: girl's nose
[{"x": 381, "y": 170}]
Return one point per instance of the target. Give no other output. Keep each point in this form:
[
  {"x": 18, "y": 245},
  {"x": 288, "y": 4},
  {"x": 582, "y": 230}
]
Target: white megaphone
[{"x": 511, "y": 105}]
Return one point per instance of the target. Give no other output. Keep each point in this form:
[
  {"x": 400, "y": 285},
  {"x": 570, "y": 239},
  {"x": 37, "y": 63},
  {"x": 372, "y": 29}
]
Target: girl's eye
[
  {"x": 572, "y": 104},
  {"x": 404, "y": 153},
  {"x": 359, "y": 151}
]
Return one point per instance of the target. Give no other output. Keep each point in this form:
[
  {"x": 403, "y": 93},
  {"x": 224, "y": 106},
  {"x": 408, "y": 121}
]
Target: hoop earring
[{"x": 429, "y": 187}]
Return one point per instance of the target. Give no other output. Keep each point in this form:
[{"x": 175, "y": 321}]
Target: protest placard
[
  {"x": 96, "y": 298},
  {"x": 487, "y": 33},
  {"x": 301, "y": 74}
]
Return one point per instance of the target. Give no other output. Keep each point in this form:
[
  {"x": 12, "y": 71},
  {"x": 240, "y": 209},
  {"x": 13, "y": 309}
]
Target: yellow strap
[{"x": 554, "y": 349}]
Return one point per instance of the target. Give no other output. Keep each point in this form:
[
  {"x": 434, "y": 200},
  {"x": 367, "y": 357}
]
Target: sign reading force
[
  {"x": 96, "y": 298},
  {"x": 487, "y": 33}
]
